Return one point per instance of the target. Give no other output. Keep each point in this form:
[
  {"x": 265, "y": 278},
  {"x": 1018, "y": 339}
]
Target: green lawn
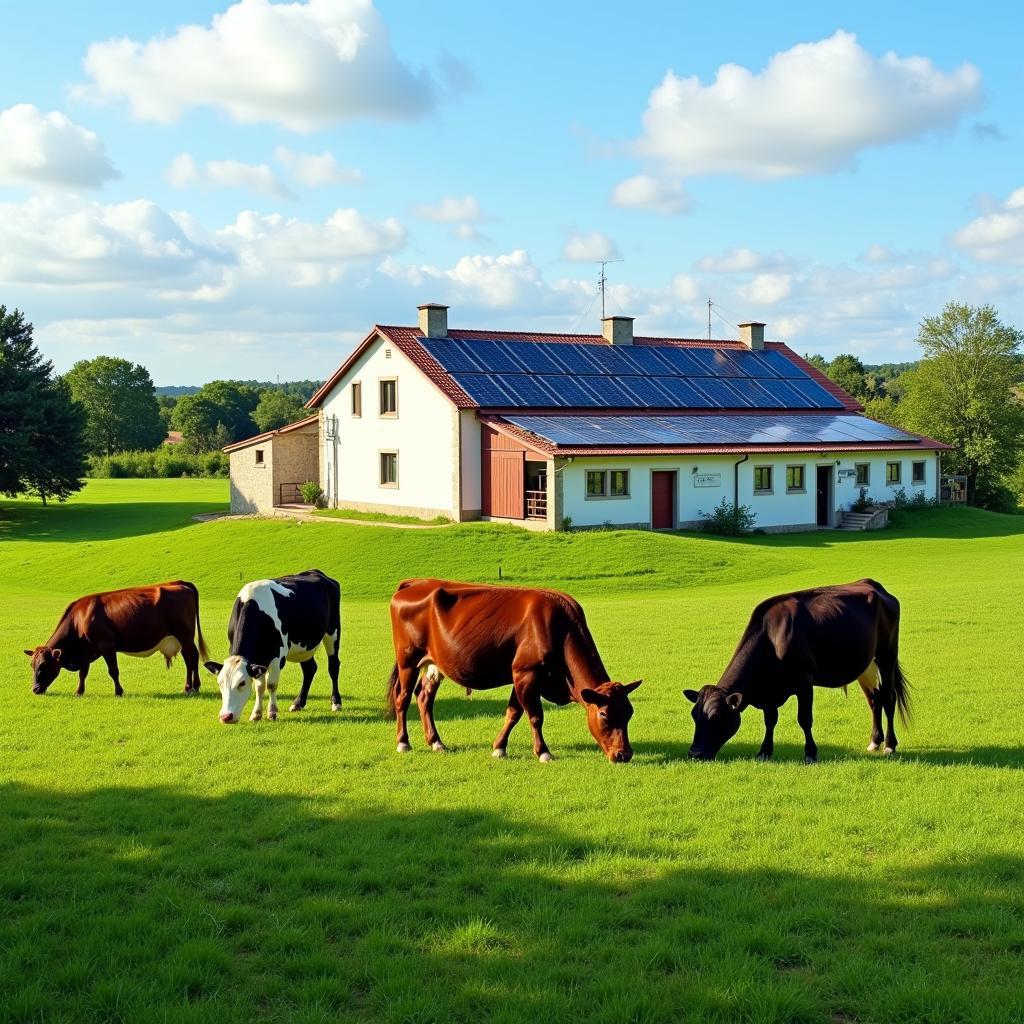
[{"x": 158, "y": 866}]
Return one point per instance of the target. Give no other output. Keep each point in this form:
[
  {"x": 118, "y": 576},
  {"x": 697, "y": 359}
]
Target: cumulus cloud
[
  {"x": 767, "y": 289},
  {"x": 646, "y": 192},
  {"x": 811, "y": 110},
  {"x": 184, "y": 172},
  {"x": 587, "y": 247},
  {"x": 316, "y": 169},
  {"x": 49, "y": 151},
  {"x": 741, "y": 260},
  {"x": 997, "y": 236},
  {"x": 302, "y": 65},
  {"x": 451, "y": 209}
]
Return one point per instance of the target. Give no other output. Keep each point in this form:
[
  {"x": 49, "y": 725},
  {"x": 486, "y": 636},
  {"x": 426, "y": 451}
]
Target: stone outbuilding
[{"x": 267, "y": 470}]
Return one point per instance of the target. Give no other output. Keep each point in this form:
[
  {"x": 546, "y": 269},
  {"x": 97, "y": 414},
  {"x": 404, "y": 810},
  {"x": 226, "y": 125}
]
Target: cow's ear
[
  {"x": 56, "y": 652},
  {"x": 257, "y": 670},
  {"x": 212, "y": 667},
  {"x": 691, "y": 695},
  {"x": 630, "y": 687},
  {"x": 29, "y": 653},
  {"x": 735, "y": 701},
  {"x": 593, "y": 697}
]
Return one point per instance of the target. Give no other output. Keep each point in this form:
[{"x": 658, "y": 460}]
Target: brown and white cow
[
  {"x": 482, "y": 637},
  {"x": 138, "y": 621}
]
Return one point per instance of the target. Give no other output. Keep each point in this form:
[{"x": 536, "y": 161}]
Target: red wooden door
[
  {"x": 506, "y": 474},
  {"x": 663, "y": 501}
]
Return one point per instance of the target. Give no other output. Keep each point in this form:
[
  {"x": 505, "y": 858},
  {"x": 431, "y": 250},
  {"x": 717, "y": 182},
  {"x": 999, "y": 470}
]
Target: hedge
[{"x": 164, "y": 462}]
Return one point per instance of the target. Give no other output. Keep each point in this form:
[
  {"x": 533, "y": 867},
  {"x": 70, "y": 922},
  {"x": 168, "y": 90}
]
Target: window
[
  {"x": 389, "y": 469},
  {"x": 893, "y": 472},
  {"x": 863, "y": 470},
  {"x": 607, "y": 483},
  {"x": 259, "y": 457},
  {"x": 917, "y": 473},
  {"x": 794, "y": 479},
  {"x": 389, "y": 397},
  {"x": 357, "y": 398},
  {"x": 762, "y": 479}
]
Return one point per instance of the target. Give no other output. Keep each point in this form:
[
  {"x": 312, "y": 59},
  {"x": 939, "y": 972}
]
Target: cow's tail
[
  {"x": 204, "y": 654},
  {"x": 901, "y": 688},
  {"x": 391, "y": 693}
]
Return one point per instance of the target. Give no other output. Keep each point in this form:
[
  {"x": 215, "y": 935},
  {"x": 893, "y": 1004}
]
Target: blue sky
[{"x": 243, "y": 190}]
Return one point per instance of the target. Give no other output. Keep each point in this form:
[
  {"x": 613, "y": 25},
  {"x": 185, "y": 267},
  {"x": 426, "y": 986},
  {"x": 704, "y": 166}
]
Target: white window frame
[
  {"x": 390, "y": 415},
  {"x": 389, "y": 485}
]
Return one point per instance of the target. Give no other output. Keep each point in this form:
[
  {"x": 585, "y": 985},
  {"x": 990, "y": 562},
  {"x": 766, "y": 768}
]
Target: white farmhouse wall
[
  {"x": 423, "y": 434},
  {"x": 471, "y": 464},
  {"x": 778, "y": 509}
]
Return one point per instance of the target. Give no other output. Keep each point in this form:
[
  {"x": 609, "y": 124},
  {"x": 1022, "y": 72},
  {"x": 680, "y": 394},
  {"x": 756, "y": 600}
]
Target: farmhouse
[{"x": 545, "y": 430}]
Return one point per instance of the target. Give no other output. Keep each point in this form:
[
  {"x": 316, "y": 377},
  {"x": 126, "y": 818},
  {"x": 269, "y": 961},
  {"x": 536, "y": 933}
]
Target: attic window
[
  {"x": 259, "y": 457},
  {"x": 387, "y": 353}
]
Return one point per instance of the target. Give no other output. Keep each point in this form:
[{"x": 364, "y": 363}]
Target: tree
[
  {"x": 848, "y": 372},
  {"x": 219, "y": 403},
  {"x": 42, "y": 445},
  {"x": 962, "y": 393},
  {"x": 120, "y": 405},
  {"x": 276, "y": 409},
  {"x": 818, "y": 362},
  {"x": 166, "y": 404}
]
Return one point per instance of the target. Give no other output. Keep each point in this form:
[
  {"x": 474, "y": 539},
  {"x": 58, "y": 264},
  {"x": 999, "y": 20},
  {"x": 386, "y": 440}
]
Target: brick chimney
[
  {"x": 617, "y": 330},
  {"x": 433, "y": 320},
  {"x": 752, "y": 335}
]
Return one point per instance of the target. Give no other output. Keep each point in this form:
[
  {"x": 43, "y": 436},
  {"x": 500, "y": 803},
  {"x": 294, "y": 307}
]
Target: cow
[
  {"x": 138, "y": 621},
  {"x": 829, "y": 636},
  {"x": 273, "y": 622},
  {"x": 483, "y": 637}
]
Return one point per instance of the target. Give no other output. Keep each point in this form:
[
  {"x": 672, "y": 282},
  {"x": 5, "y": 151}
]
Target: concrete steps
[{"x": 857, "y": 521}]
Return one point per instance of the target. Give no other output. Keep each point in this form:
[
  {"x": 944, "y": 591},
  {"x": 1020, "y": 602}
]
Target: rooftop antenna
[
  {"x": 709, "y": 318},
  {"x": 602, "y": 279}
]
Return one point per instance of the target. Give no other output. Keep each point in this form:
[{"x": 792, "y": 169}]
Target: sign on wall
[
  {"x": 847, "y": 474},
  {"x": 707, "y": 480}
]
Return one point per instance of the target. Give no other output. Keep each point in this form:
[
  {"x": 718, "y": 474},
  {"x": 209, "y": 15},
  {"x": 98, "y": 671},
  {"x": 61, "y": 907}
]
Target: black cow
[
  {"x": 272, "y": 622},
  {"x": 829, "y": 636}
]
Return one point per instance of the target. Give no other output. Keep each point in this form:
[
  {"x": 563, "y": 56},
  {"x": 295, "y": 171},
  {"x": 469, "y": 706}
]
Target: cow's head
[
  {"x": 716, "y": 718},
  {"x": 235, "y": 679},
  {"x": 46, "y": 666},
  {"x": 608, "y": 715}
]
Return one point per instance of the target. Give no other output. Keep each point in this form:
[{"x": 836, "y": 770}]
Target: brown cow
[
  {"x": 482, "y": 637},
  {"x": 138, "y": 621}
]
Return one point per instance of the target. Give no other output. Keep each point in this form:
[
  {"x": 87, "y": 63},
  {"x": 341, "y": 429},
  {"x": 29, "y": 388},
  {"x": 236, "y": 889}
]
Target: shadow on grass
[
  {"x": 146, "y": 904},
  {"x": 85, "y": 521}
]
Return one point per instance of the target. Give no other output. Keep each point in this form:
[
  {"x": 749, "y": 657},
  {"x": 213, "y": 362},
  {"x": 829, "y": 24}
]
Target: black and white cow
[{"x": 273, "y": 622}]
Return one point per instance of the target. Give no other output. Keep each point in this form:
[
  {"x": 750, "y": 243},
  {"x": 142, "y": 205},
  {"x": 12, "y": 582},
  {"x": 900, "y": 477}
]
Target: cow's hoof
[
  {"x": 255, "y": 717},
  {"x": 545, "y": 757},
  {"x": 889, "y": 750},
  {"x": 872, "y": 747},
  {"x": 271, "y": 716},
  {"x": 438, "y": 746},
  {"x": 296, "y": 706},
  {"x": 78, "y": 693},
  {"x": 764, "y": 757},
  {"x": 809, "y": 759},
  {"x": 119, "y": 693},
  {"x": 336, "y": 705},
  {"x": 498, "y": 753},
  {"x": 403, "y": 748}
]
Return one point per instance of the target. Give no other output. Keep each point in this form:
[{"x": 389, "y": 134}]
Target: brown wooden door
[
  {"x": 506, "y": 477},
  {"x": 663, "y": 500}
]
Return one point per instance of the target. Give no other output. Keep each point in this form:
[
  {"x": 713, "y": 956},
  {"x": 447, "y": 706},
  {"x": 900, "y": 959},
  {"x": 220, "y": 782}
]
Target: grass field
[{"x": 158, "y": 866}]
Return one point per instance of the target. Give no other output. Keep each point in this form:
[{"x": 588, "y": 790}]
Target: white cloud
[
  {"x": 767, "y": 289},
  {"x": 684, "y": 288},
  {"x": 451, "y": 209},
  {"x": 49, "y": 151},
  {"x": 811, "y": 110},
  {"x": 316, "y": 169},
  {"x": 646, "y": 192},
  {"x": 997, "y": 236},
  {"x": 878, "y": 254},
  {"x": 302, "y": 65},
  {"x": 184, "y": 172},
  {"x": 588, "y": 247},
  {"x": 742, "y": 260}
]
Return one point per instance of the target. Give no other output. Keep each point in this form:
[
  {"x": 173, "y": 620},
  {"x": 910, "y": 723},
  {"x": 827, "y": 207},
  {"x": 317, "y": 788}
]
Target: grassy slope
[{"x": 160, "y": 866}]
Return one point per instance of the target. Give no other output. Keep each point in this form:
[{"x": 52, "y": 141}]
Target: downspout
[{"x": 736, "y": 481}]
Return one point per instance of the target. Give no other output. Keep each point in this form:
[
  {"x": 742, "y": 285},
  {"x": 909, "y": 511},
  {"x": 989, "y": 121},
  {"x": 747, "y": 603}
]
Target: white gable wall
[{"x": 423, "y": 434}]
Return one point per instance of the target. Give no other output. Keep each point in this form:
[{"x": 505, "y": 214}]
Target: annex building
[{"x": 550, "y": 430}]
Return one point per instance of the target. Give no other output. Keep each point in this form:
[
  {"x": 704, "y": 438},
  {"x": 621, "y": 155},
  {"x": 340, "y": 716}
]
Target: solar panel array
[
  {"x": 521, "y": 374},
  {"x": 697, "y": 431}
]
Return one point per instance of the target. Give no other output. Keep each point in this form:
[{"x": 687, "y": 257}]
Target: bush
[
  {"x": 729, "y": 520},
  {"x": 165, "y": 462},
  {"x": 313, "y": 494},
  {"x": 862, "y": 503}
]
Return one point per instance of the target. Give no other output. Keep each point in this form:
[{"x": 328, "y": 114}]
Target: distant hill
[{"x": 303, "y": 389}]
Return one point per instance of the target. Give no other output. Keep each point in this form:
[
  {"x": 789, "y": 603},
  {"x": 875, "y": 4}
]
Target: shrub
[
  {"x": 312, "y": 494},
  {"x": 566, "y": 523},
  {"x": 729, "y": 520},
  {"x": 862, "y": 503},
  {"x": 165, "y": 462},
  {"x": 900, "y": 499}
]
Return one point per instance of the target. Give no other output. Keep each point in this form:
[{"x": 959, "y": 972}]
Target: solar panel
[{"x": 817, "y": 397}]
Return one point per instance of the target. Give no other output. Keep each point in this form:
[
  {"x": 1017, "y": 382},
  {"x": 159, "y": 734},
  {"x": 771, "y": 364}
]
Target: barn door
[{"x": 506, "y": 473}]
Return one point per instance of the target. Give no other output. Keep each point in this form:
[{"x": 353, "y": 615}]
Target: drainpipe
[{"x": 736, "y": 481}]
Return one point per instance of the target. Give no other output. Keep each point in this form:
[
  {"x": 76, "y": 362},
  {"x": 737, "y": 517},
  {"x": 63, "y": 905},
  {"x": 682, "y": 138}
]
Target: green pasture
[{"x": 158, "y": 866}]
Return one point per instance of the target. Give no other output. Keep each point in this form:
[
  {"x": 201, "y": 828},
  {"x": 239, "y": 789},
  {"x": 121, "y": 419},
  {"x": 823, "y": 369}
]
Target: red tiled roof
[{"x": 268, "y": 434}]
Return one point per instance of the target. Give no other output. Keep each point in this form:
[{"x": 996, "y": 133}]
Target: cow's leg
[
  {"x": 308, "y": 671},
  {"x": 525, "y": 683},
  {"x": 889, "y": 698},
  {"x": 273, "y": 678},
  {"x": 870, "y": 683},
  {"x": 430, "y": 682},
  {"x": 805, "y": 716},
  {"x": 771, "y": 718},
  {"x": 190, "y": 655},
  {"x": 513, "y": 713},
  {"x": 333, "y": 643},
  {"x": 260, "y": 686},
  {"x": 407, "y": 675},
  {"x": 110, "y": 657},
  {"x": 82, "y": 673}
]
